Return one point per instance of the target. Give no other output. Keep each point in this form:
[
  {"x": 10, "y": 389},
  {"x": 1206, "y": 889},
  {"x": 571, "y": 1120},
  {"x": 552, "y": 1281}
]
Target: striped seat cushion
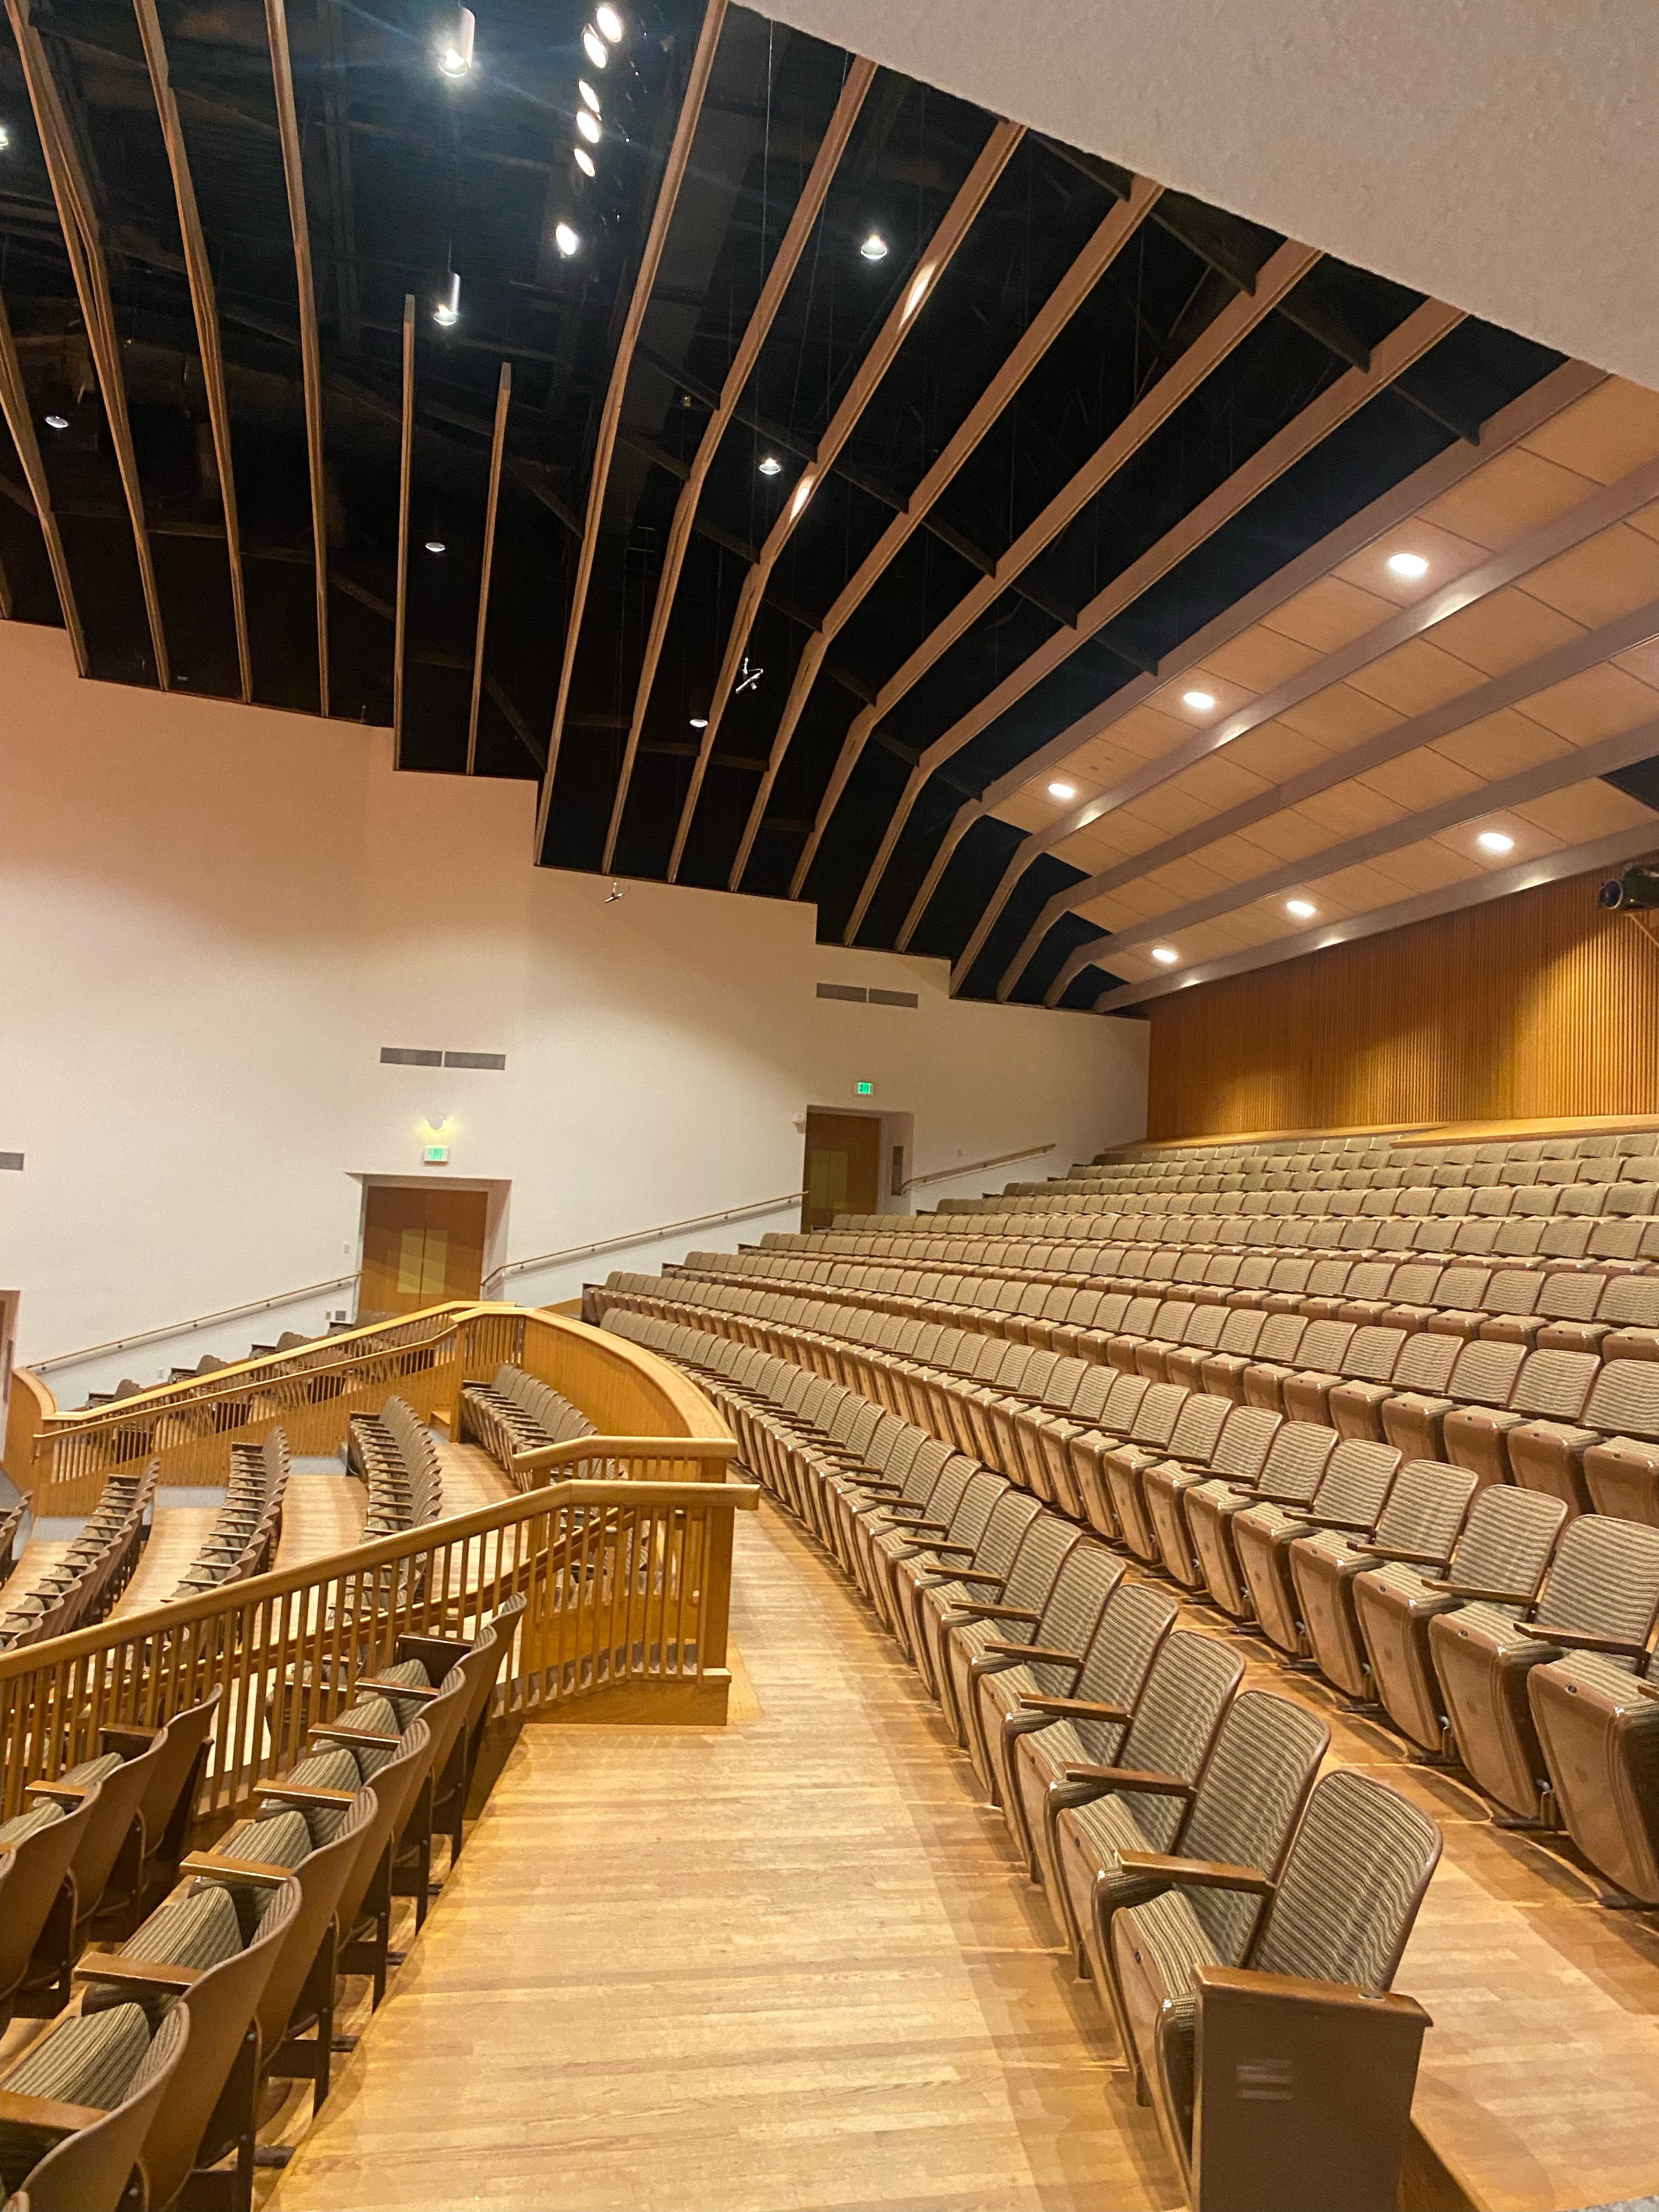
[
  {"x": 91, "y": 2059},
  {"x": 1111, "y": 1826},
  {"x": 94, "y": 1769},
  {"x": 30, "y": 1823},
  {"x": 192, "y": 1928},
  {"x": 334, "y": 1769},
  {"x": 279, "y": 1838}
]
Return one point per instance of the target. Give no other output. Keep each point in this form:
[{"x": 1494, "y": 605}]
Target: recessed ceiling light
[
  {"x": 585, "y": 161},
  {"x": 700, "y": 721},
  {"x": 610, "y": 23},
  {"x": 771, "y": 466},
  {"x": 5, "y": 137},
  {"x": 588, "y": 125},
  {"x": 436, "y": 545},
  {"x": 593, "y": 47},
  {"x": 565, "y": 239},
  {"x": 1494, "y": 841},
  {"x": 1165, "y": 955},
  {"x": 1200, "y": 701},
  {"x": 455, "y": 55},
  {"x": 57, "y": 422},
  {"x": 448, "y": 309},
  {"x": 1303, "y": 910},
  {"x": 590, "y": 98},
  {"x": 874, "y": 247},
  {"x": 1411, "y": 566},
  {"x": 1062, "y": 790}
]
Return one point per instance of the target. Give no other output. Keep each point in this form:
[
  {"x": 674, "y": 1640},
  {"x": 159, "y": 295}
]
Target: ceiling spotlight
[
  {"x": 1165, "y": 955},
  {"x": 874, "y": 247},
  {"x": 455, "y": 55},
  {"x": 436, "y": 545},
  {"x": 590, "y": 98},
  {"x": 610, "y": 23},
  {"x": 1411, "y": 566},
  {"x": 594, "y": 47},
  {"x": 588, "y": 125},
  {"x": 771, "y": 466},
  {"x": 57, "y": 422},
  {"x": 565, "y": 239},
  {"x": 1062, "y": 790},
  {"x": 700, "y": 721},
  {"x": 585, "y": 161},
  {"x": 1200, "y": 701},
  {"x": 448, "y": 309},
  {"x": 5, "y": 137},
  {"x": 1494, "y": 841},
  {"x": 1303, "y": 910}
]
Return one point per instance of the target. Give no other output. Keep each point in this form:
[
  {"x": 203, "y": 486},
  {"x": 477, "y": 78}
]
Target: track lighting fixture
[
  {"x": 455, "y": 55},
  {"x": 448, "y": 309}
]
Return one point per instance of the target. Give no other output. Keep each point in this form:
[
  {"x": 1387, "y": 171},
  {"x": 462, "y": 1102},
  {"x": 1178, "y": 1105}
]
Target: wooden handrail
[
  {"x": 644, "y": 1235},
  {"x": 971, "y": 1167},
  {"x": 577, "y": 1449},
  {"x": 200, "y": 1321}
]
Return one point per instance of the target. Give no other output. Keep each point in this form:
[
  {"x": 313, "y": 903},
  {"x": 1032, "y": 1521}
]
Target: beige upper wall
[
  {"x": 1495, "y": 153},
  {"x": 214, "y": 916}
]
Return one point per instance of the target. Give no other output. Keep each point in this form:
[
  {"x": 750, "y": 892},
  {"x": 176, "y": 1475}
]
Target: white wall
[{"x": 213, "y": 917}]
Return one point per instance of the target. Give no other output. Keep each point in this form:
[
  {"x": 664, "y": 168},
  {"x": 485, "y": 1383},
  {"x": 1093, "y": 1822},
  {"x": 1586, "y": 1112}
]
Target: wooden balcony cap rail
[
  {"x": 621, "y": 1497},
  {"x": 576, "y": 1448}
]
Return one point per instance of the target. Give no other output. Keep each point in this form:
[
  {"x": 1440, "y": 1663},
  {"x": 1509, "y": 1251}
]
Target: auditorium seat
[
  {"x": 1290, "y": 1474},
  {"x": 1599, "y": 1595},
  {"x": 1044, "y": 1650},
  {"x": 75, "y": 2108},
  {"x": 1352, "y": 1492}
]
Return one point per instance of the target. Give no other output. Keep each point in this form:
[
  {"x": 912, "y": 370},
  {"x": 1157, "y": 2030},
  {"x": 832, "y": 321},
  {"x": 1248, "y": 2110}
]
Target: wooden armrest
[
  {"x": 146, "y": 1973},
  {"x": 970, "y": 1574},
  {"x": 1478, "y": 1597},
  {"x": 1312, "y": 1520},
  {"x": 243, "y": 1873},
  {"x": 1001, "y": 1613},
  {"x": 70, "y": 1792},
  {"x": 1402, "y": 1558},
  {"x": 376, "y": 1739},
  {"x": 1579, "y": 1640},
  {"x": 390, "y": 1689},
  {"x": 963, "y": 1551},
  {"x": 1195, "y": 1873},
  {"x": 47, "y": 2114},
  {"x": 1042, "y": 1653},
  {"x": 437, "y": 1654},
  {"x": 1074, "y": 1709},
  {"x": 120, "y": 1736},
  {"x": 304, "y": 1793},
  {"x": 1132, "y": 1782},
  {"x": 915, "y": 1520},
  {"x": 1295, "y": 1989}
]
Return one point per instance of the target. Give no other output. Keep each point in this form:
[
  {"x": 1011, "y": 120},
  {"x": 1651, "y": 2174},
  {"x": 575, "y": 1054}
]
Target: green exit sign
[
  {"x": 864, "y": 1089},
  {"x": 437, "y": 1156}
]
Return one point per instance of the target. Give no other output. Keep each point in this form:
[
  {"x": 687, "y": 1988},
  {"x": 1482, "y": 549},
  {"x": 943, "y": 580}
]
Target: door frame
[
  {"x": 897, "y": 1128},
  {"x": 498, "y": 1191}
]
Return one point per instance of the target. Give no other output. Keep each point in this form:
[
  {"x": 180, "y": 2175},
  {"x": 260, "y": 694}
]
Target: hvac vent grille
[
  {"x": 857, "y": 993},
  {"x": 404, "y": 1055},
  {"x": 11, "y": 1160}
]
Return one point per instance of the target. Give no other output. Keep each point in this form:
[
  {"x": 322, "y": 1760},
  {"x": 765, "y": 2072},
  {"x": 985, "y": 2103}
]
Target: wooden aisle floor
[{"x": 788, "y": 1964}]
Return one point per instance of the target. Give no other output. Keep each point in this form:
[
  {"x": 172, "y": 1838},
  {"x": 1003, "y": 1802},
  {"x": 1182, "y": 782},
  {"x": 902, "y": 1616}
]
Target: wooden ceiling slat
[
  {"x": 20, "y": 421},
  {"x": 492, "y": 504}
]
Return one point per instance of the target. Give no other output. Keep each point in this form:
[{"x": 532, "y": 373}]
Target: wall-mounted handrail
[
  {"x": 643, "y": 1235},
  {"x": 972, "y": 1167},
  {"x": 201, "y": 1320}
]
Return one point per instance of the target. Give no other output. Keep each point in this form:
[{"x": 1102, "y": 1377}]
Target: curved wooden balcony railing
[{"x": 311, "y": 1393}]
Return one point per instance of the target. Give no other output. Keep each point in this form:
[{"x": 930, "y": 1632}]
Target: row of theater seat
[
  {"x": 1177, "y": 1825},
  {"x": 242, "y": 1954},
  {"x": 81, "y": 1584},
  {"x": 394, "y": 1454},
  {"x": 514, "y": 1413},
  {"x": 248, "y": 1526},
  {"x": 1323, "y": 1542},
  {"x": 1562, "y": 1158}
]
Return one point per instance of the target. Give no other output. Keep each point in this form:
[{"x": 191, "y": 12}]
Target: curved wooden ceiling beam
[
  {"x": 673, "y": 175},
  {"x": 492, "y": 505},
  {"x": 20, "y": 421},
  {"x": 1509, "y": 689},
  {"x": 1413, "y": 337},
  {"x": 77, "y": 216},
  {"x": 203, "y": 305},
  {"x": 859, "y": 77},
  {"x": 1114, "y": 233},
  {"x": 1224, "y": 333},
  {"x": 1585, "y": 520},
  {"x": 311, "y": 354},
  {"x": 932, "y": 262},
  {"x": 1560, "y": 389}
]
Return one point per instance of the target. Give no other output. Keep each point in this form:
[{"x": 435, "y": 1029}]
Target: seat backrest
[
  {"x": 91, "y": 2168},
  {"x": 1425, "y": 1508},
  {"x": 1356, "y": 1481},
  {"x": 1626, "y": 1399},
  {"x": 1158, "y": 1413},
  {"x": 1189, "y": 1688},
  {"x": 1554, "y": 1385},
  {"x": 38, "y": 1856},
  {"x": 1134, "y": 1623},
  {"x": 165, "y": 1805},
  {"x": 119, "y": 1796},
  {"x": 1246, "y": 1438},
  {"x": 1005, "y": 1532},
  {"x": 1484, "y": 1373},
  {"x": 983, "y": 1494},
  {"x": 1425, "y": 1362},
  {"x": 1355, "y": 1875},
  {"x": 1507, "y": 1540},
  {"x": 1071, "y": 1610},
  {"x": 1296, "y": 1461},
  {"x": 1253, "y": 1786},
  {"x": 1603, "y": 1579}
]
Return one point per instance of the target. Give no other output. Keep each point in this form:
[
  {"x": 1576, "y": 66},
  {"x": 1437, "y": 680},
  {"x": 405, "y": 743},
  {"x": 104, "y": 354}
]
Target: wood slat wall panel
[{"x": 1540, "y": 1003}]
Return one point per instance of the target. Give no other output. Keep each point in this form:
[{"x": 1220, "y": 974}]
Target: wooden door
[
  {"x": 842, "y": 1173},
  {"x": 421, "y": 1246}
]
